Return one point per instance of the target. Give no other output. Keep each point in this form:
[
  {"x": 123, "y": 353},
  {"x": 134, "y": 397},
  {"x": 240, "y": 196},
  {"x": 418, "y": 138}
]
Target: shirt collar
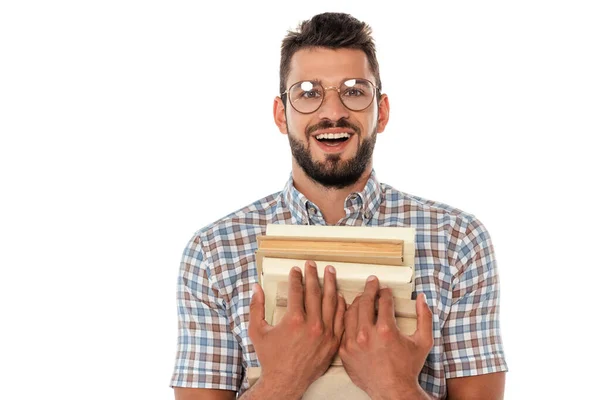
[{"x": 362, "y": 205}]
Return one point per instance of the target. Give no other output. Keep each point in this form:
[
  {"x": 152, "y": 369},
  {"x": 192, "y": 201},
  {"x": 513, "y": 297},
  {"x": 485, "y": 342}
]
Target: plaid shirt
[{"x": 455, "y": 267}]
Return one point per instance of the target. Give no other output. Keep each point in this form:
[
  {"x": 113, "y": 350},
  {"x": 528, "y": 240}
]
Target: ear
[
  {"x": 384, "y": 113},
  {"x": 279, "y": 115}
]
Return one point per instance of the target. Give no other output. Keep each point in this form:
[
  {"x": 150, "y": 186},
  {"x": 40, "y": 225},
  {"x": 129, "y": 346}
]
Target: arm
[
  {"x": 478, "y": 387},
  {"x": 203, "y": 394},
  {"x": 474, "y": 313},
  {"x": 208, "y": 354}
]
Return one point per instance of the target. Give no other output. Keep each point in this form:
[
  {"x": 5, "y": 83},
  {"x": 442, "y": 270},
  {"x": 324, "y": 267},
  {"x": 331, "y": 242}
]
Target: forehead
[{"x": 329, "y": 65}]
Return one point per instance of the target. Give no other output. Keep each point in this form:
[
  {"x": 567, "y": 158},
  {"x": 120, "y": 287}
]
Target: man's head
[{"x": 331, "y": 106}]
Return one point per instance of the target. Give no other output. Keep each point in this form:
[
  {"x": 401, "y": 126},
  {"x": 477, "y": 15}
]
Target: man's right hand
[{"x": 300, "y": 348}]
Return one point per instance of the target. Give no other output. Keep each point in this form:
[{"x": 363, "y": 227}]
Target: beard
[{"x": 333, "y": 173}]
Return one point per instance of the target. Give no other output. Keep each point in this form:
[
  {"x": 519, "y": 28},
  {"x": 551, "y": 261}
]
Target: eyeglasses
[{"x": 307, "y": 96}]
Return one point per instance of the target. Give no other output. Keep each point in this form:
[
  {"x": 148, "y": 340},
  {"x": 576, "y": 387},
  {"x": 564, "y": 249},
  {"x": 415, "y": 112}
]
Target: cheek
[
  {"x": 371, "y": 121},
  {"x": 367, "y": 124},
  {"x": 297, "y": 125}
]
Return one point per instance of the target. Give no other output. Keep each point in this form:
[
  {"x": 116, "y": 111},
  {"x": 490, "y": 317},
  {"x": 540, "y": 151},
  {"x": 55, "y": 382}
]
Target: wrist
[
  {"x": 414, "y": 392},
  {"x": 277, "y": 388}
]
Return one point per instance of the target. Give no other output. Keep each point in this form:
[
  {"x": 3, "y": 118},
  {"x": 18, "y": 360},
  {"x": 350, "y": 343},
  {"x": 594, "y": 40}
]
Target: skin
[{"x": 377, "y": 357}]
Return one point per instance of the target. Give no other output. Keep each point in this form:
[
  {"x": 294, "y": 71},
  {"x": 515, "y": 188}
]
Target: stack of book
[{"x": 356, "y": 253}]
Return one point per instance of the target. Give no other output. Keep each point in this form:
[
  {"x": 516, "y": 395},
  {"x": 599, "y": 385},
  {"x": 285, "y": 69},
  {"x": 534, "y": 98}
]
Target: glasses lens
[
  {"x": 306, "y": 96},
  {"x": 357, "y": 94}
]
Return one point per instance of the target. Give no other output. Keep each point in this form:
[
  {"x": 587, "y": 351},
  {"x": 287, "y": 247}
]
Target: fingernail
[
  {"x": 383, "y": 287},
  {"x": 254, "y": 289},
  {"x": 331, "y": 269},
  {"x": 424, "y": 297},
  {"x": 297, "y": 269},
  {"x": 371, "y": 278},
  {"x": 312, "y": 263}
]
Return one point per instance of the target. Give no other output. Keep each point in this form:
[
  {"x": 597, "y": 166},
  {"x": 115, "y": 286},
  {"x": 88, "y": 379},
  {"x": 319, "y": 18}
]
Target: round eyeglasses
[{"x": 307, "y": 96}]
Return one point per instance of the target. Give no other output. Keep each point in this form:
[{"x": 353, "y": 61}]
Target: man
[{"x": 331, "y": 107}]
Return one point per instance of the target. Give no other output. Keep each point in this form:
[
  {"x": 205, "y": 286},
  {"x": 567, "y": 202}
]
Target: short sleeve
[
  {"x": 471, "y": 333},
  {"x": 208, "y": 356}
]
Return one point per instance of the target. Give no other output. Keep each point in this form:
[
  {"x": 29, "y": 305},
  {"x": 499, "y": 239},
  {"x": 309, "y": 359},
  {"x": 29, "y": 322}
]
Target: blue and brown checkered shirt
[{"x": 455, "y": 267}]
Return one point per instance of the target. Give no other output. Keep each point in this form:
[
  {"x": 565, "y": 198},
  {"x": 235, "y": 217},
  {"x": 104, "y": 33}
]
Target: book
[
  {"x": 356, "y": 253},
  {"x": 351, "y": 278}
]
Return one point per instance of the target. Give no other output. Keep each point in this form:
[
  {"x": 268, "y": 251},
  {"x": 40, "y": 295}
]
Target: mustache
[{"x": 327, "y": 124}]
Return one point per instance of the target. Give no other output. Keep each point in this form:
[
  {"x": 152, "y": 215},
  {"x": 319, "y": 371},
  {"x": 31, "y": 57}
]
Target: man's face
[{"x": 334, "y": 163}]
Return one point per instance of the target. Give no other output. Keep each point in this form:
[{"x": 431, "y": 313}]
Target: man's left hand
[{"x": 378, "y": 358}]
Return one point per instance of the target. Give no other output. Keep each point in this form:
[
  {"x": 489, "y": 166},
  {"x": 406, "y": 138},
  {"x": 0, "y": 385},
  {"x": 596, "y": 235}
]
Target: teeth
[{"x": 333, "y": 135}]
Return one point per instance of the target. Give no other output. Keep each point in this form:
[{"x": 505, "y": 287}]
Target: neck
[{"x": 329, "y": 200}]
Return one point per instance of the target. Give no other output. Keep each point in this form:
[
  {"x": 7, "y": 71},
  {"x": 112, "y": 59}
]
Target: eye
[
  {"x": 310, "y": 94},
  {"x": 354, "y": 92}
]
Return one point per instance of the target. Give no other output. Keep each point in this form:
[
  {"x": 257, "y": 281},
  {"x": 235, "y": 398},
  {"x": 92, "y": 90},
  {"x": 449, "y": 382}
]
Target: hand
[
  {"x": 300, "y": 348},
  {"x": 377, "y": 357}
]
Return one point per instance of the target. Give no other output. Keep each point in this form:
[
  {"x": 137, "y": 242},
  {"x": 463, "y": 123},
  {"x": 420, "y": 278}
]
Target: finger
[
  {"x": 385, "y": 303},
  {"x": 295, "y": 291},
  {"x": 351, "y": 320},
  {"x": 330, "y": 298},
  {"x": 338, "y": 324},
  {"x": 257, "y": 323},
  {"x": 366, "y": 305},
  {"x": 424, "y": 332},
  {"x": 312, "y": 292}
]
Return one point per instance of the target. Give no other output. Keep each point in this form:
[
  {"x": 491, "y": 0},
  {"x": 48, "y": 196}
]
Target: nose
[{"x": 332, "y": 107}]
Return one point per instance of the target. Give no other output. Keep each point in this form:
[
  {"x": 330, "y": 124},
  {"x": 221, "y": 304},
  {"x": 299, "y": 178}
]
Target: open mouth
[{"x": 333, "y": 139}]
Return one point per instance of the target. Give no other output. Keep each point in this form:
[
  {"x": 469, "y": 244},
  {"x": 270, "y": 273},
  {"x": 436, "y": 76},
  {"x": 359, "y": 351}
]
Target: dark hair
[{"x": 330, "y": 30}]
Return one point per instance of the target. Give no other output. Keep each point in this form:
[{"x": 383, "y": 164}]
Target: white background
[{"x": 127, "y": 125}]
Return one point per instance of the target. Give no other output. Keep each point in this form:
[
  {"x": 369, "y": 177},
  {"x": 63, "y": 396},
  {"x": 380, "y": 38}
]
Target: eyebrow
[{"x": 319, "y": 81}]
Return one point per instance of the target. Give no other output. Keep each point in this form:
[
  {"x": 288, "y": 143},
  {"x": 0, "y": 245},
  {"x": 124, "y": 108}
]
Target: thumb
[
  {"x": 424, "y": 332},
  {"x": 257, "y": 311}
]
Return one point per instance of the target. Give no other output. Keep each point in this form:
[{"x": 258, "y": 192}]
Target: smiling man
[{"x": 331, "y": 108}]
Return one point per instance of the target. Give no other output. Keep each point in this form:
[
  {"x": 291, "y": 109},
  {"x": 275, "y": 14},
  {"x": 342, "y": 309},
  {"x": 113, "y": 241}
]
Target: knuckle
[
  {"x": 362, "y": 337},
  {"x": 295, "y": 278},
  {"x": 314, "y": 290},
  {"x": 317, "y": 329},
  {"x": 295, "y": 284},
  {"x": 344, "y": 350},
  {"x": 296, "y": 318},
  {"x": 330, "y": 297},
  {"x": 367, "y": 297},
  {"x": 386, "y": 297},
  {"x": 384, "y": 329}
]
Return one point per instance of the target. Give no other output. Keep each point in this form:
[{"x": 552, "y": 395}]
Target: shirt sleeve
[
  {"x": 208, "y": 356},
  {"x": 471, "y": 333}
]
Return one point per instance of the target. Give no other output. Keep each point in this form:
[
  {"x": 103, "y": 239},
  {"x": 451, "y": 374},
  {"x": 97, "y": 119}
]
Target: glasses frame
[{"x": 325, "y": 89}]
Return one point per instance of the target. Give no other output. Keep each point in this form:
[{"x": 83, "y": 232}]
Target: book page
[
  {"x": 355, "y": 232},
  {"x": 350, "y": 273}
]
